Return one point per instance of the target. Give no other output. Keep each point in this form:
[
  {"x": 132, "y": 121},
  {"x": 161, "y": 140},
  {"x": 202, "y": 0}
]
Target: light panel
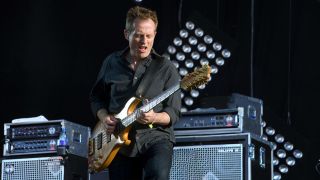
[
  {"x": 192, "y": 48},
  {"x": 285, "y": 154}
]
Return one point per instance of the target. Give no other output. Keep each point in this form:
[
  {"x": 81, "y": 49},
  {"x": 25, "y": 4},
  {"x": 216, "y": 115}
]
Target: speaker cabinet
[
  {"x": 70, "y": 167},
  {"x": 229, "y": 156}
]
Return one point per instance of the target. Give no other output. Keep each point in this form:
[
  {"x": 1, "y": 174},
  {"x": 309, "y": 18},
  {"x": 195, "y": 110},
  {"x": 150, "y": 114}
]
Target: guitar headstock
[{"x": 196, "y": 78}]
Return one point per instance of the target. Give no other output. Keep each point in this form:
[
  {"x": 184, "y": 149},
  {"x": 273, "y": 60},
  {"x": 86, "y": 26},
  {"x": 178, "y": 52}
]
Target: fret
[{"x": 129, "y": 119}]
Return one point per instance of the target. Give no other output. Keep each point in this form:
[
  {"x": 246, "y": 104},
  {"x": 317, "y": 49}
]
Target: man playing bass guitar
[{"x": 124, "y": 74}]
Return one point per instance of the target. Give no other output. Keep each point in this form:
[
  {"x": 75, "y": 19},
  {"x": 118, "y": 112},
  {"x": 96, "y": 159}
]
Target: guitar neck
[{"x": 151, "y": 104}]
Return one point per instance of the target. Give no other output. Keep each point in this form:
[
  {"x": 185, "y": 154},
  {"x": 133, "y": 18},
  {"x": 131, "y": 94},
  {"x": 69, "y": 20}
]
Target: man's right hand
[{"x": 108, "y": 120}]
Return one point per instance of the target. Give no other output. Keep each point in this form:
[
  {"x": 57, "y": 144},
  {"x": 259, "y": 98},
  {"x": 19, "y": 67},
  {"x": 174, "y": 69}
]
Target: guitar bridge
[{"x": 108, "y": 137}]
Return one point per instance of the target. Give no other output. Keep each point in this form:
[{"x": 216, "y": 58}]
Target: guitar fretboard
[{"x": 151, "y": 104}]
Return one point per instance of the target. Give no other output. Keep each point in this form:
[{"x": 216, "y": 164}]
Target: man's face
[{"x": 141, "y": 38}]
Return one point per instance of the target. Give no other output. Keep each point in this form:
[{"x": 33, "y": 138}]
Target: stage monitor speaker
[
  {"x": 222, "y": 157},
  {"x": 70, "y": 167}
]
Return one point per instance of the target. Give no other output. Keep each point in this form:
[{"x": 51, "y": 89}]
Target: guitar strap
[{"x": 149, "y": 75}]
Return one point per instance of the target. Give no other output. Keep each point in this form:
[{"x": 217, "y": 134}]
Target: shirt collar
[{"x": 153, "y": 55}]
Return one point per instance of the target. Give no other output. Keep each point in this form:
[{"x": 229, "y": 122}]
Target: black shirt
[{"x": 117, "y": 83}]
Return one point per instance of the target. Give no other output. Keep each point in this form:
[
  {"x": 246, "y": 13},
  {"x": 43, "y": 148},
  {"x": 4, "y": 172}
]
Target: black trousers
[{"x": 154, "y": 164}]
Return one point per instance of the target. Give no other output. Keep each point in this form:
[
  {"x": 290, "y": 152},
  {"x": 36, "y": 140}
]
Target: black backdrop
[{"x": 51, "y": 52}]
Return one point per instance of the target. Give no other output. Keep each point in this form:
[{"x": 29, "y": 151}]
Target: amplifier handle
[
  {"x": 262, "y": 157},
  {"x": 251, "y": 152}
]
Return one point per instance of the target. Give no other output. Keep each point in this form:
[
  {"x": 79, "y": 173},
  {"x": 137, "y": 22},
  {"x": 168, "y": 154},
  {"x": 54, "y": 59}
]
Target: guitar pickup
[
  {"x": 91, "y": 146},
  {"x": 99, "y": 141}
]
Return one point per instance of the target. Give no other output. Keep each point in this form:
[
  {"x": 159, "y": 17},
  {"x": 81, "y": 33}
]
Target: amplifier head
[{"x": 42, "y": 137}]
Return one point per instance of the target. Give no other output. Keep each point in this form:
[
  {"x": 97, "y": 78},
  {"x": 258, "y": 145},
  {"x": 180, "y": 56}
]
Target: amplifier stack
[
  {"x": 50, "y": 150},
  {"x": 222, "y": 143}
]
